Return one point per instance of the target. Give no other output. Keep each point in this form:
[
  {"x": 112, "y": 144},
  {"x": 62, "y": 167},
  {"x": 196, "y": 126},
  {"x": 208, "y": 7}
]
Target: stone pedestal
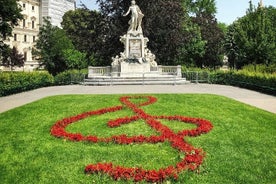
[
  {"x": 134, "y": 45},
  {"x": 136, "y": 60},
  {"x": 134, "y": 69}
]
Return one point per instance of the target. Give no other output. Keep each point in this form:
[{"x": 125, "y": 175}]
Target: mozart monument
[{"x": 136, "y": 60}]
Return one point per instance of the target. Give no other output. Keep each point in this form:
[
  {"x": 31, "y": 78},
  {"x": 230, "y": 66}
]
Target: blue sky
[{"x": 227, "y": 10}]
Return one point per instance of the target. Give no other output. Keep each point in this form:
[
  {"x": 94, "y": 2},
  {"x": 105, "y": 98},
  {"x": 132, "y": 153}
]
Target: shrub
[
  {"x": 262, "y": 82},
  {"x": 261, "y": 68},
  {"x": 70, "y": 77},
  {"x": 15, "y": 82}
]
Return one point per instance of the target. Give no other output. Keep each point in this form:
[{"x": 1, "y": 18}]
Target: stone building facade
[{"x": 25, "y": 34}]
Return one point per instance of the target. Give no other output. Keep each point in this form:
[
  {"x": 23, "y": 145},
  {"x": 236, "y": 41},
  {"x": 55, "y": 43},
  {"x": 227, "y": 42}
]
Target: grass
[{"x": 240, "y": 149}]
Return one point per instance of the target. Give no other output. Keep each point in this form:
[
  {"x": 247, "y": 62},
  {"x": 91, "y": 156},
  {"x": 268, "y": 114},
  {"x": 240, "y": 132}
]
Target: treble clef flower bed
[{"x": 193, "y": 156}]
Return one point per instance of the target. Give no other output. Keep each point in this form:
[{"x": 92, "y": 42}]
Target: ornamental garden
[
  {"x": 144, "y": 139},
  {"x": 155, "y": 138}
]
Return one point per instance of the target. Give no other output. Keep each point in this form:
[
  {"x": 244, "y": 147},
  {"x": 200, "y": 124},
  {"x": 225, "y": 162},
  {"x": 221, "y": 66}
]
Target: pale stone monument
[{"x": 137, "y": 59}]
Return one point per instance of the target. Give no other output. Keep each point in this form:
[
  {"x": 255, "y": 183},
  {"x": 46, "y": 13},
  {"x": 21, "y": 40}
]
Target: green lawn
[{"x": 241, "y": 147}]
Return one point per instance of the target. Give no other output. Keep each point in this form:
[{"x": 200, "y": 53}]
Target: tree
[
  {"x": 9, "y": 16},
  {"x": 231, "y": 47},
  {"x": 162, "y": 24},
  {"x": 86, "y": 29},
  {"x": 211, "y": 33},
  {"x": 14, "y": 58},
  {"x": 50, "y": 46},
  {"x": 254, "y": 37},
  {"x": 193, "y": 47}
]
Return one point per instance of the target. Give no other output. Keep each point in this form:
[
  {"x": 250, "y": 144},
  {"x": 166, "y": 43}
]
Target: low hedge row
[
  {"x": 265, "y": 83},
  {"x": 15, "y": 82},
  {"x": 70, "y": 77}
]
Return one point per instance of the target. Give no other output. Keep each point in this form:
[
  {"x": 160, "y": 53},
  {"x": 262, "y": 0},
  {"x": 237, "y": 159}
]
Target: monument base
[
  {"x": 134, "y": 69},
  {"x": 134, "y": 74}
]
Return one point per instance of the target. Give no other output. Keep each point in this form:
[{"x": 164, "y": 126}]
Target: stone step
[{"x": 135, "y": 81}]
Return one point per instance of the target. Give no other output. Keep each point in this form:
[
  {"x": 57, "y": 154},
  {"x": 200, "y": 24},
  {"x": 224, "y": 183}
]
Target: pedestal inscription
[{"x": 135, "y": 48}]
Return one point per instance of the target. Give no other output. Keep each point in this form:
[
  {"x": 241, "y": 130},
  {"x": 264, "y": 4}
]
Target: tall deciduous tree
[
  {"x": 254, "y": 37},
  {"x": 9, "y": 16},
  {"x": 231, "y": 47},
  {"x": 193, "y": 46},
  {"x": 87, "y": 30},
  {"x": 211, "y": 33},
  {"x": 50, "y": 46}
]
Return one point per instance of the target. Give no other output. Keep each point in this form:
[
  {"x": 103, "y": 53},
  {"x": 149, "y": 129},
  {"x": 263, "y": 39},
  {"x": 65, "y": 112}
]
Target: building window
[
  {"x": 25, "y": 56},
  {"x": 33, "y": 38},
  {"x": 33, "y": 8},
  {"x": 15, "y": 37},
  {"x": 24, "y": 5},
  {"x": 25, "y": 38},
  {"x": 33, "y": 24},
  {"x": 24, "y": 23}
]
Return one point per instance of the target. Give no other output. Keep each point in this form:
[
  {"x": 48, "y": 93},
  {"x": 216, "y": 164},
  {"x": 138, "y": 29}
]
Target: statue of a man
[{"x": 136, "y": 17}]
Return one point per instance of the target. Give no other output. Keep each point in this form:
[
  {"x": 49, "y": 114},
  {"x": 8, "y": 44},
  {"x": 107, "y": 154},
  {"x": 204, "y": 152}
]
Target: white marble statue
[
  {"x": 150, "y": 57},
  {"x": 136, "y": 17},
  {"x": 135, "y": 44}
]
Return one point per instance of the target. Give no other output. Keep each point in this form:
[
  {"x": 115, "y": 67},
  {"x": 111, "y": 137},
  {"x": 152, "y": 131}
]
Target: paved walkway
[{"x": 253, "y": 98}]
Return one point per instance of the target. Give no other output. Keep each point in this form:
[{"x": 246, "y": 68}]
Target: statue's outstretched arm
[{"x": 127, "y": 12}]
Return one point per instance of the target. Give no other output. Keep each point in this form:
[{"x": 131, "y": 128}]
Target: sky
[{"x": 227, "y": 10}]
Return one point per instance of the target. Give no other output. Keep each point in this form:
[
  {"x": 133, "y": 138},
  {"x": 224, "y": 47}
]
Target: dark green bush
[
  {"x": 15, "y": 82},
  {"x": 70, "y": 77},
  {"x": 261, "y": 82}
]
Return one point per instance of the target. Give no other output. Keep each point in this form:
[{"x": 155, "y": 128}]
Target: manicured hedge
[
  {"x": 261, "y": 82},
  {"x": 70, "y": 77},
  {"x": 15, "y": 82}
]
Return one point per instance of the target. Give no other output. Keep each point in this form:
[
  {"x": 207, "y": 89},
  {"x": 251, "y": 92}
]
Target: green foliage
[
  {"x": 204, "y": 7},
  {"x": 75, "y": 59},
  {"x": 252, "y": 39},
  {"x": 13, "y": 58},
  {"x": 87, "y": 30},
  {"x": 213, "y": 35},
  {"x": 50, "y": 46},
  {"x": 231, "y": 47},
  {"x": 194, "y": 46},
  {"x": 251, "y": 80},
  {"x": 261, "y": 68},
  {"x": 205, "y": 47},
  {"x": 223, "y": 27},
  {"x": 10, "y": 14},
  {"x": 70, "y": 77},
  {"x": 238, "y": 150},
  {"x": 15, "y": 82}
]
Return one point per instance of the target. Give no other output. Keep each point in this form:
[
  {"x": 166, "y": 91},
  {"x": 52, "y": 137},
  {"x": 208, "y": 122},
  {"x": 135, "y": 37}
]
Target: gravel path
[{"x": 253, "y": 98}]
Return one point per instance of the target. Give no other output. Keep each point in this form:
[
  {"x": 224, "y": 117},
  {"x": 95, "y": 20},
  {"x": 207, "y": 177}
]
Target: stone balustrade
[
  {"x": 99, "y": 71},
  {"x": 107, "y": 71},
  {"x": 170, "y": 70}
]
